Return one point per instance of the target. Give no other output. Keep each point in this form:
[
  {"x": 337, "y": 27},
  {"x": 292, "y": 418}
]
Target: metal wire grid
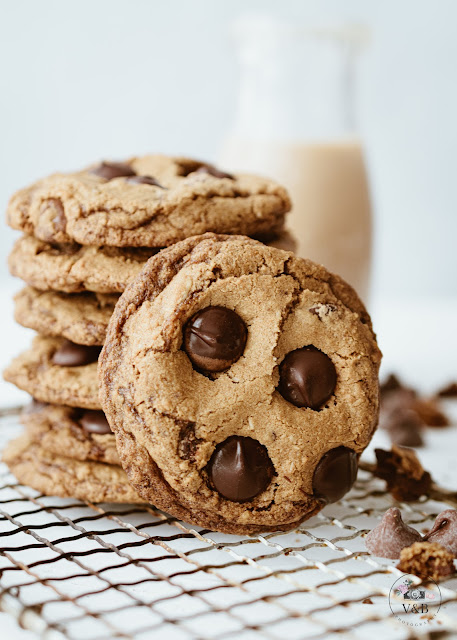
[{"x": 96, "y": 572}]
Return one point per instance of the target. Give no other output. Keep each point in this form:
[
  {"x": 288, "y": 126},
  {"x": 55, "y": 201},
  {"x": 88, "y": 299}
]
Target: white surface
[{"x": 83, "y": 80}]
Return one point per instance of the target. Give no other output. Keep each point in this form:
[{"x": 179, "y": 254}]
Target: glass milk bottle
[{"x": 295, "y": 123}]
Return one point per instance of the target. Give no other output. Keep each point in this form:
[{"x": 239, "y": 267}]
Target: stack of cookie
[{"x": 86, "y": 236}]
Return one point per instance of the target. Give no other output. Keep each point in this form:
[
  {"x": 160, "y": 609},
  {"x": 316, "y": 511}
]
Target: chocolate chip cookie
[
  {"x": 241, "y": 383},
  {"x": 58, "y": 371},
  {"x": 72, "y": 268},
  {"x": 150, "y": 201},
  {"x": 80, "y": 317},
  {"x": 54, "y": 475},
  {"x": 82, "y": 433}
]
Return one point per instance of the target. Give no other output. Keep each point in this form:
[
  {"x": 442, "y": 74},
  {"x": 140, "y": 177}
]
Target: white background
[{"x": 85, "y": 79}]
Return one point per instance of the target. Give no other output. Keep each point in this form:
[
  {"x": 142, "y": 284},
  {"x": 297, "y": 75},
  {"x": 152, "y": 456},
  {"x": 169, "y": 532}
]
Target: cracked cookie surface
[
  {"x": 185, "y": 197},
  {"x": 54, "y": 475},
  {"x": 171, "y": 418},
  {"x": 34, "y": 371},
  {"x": 80, "y": 317},
  {"x": 61, "y": 430}
]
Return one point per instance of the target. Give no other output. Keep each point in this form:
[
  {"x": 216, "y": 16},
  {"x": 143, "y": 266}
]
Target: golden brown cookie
[
  {"x": 58, "y": 371},
  {"x": 80, "y": 317},
  {"x": 82, "y": 434},
  {"x": 75, "y": 268},
  {"x": 72, "y": 268},
  {"x": 150, "y": 201},
  {"x": 241, "y": 383},
  {"x": 54, "y": 475}
]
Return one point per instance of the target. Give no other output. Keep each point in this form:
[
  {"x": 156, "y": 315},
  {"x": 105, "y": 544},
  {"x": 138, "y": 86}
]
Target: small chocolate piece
[
  {"x": 335, "y": 474},
  {"x": 404, "y": 428},
  {"x": 145, "y": 180},
  {"x": 405, "y": 477},
  {"x": 111, "y": 170},
  {"x": 307, "y": 378},
  {"x": 391, "y": 535},
  {"x": 94, "y": 422},
  {"x": 214, "y": 338},
  {"x": 426, "y": 560},
  {"x": 70, "y": 354},
  {"x": 213, "y": 171},
  {"x": 240, "y": 468},
  {"x": 395, "y": 401},
  {"x": 444, "y": 531},
  {"x": 450, "y": 391},
  {"x": 429, "y": 411},
  {"x": 391, "y": 383}
]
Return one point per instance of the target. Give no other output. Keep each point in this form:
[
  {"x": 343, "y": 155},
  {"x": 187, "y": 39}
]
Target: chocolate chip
[
  {"x": 391, "y": 383},
  {"x": 214, "y": 338},
  {"x": 307, "y": 378},
  {"x": 240, "y": 468},
  {"x": 391, "y": 535},
  {"x": 110, "y": 170},
  {"x": 405, "y": 429},
  {"x": 145, "y": 180},
  {"x": 70, "y": 354},
  {"x": 335, "y": 474},
  {"x": 444, "y": 530},
  {"x": 94, "y": 422},
  {"x": 213, "y": 171}
]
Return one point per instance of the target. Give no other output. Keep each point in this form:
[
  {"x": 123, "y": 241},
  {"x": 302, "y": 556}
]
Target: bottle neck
[{"x": 296, "y": 87}]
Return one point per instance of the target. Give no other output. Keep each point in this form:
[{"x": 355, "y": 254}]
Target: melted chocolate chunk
[
  {"x": 145, "y": 180},
  {"x": 240, "y": 468},
  {"x": 335, "y": 474},
  {"x": 213, "y": 171},
  {"x": 94, "y": 422},
  {"x": 111, "y": 170},
  {"x": 70, "y": 354},
  {"x": 214, "y": 338},
  {"x": 307, "y": 378}
]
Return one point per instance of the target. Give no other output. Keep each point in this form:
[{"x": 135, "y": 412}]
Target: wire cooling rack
[{"x": 95, "y": 572}]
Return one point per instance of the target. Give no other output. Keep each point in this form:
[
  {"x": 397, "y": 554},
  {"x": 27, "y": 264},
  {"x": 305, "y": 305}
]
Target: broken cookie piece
[
  {"x": 401, "y": 469},
  {"x": 427, "y": 560}
]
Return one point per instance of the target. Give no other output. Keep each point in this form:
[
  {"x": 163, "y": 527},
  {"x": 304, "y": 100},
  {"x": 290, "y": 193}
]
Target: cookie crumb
[
  {"x": 367, "y": 601},
  {"x": 401, "y": 469},
  {"x": 427, "y": 560},
  {"x": 404, "y": 412}
]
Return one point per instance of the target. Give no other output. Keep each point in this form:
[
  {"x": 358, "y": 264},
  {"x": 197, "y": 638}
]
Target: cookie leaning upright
[
  {"x": 241, "y": 383},
  {"x": 150, "y": 201}
]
